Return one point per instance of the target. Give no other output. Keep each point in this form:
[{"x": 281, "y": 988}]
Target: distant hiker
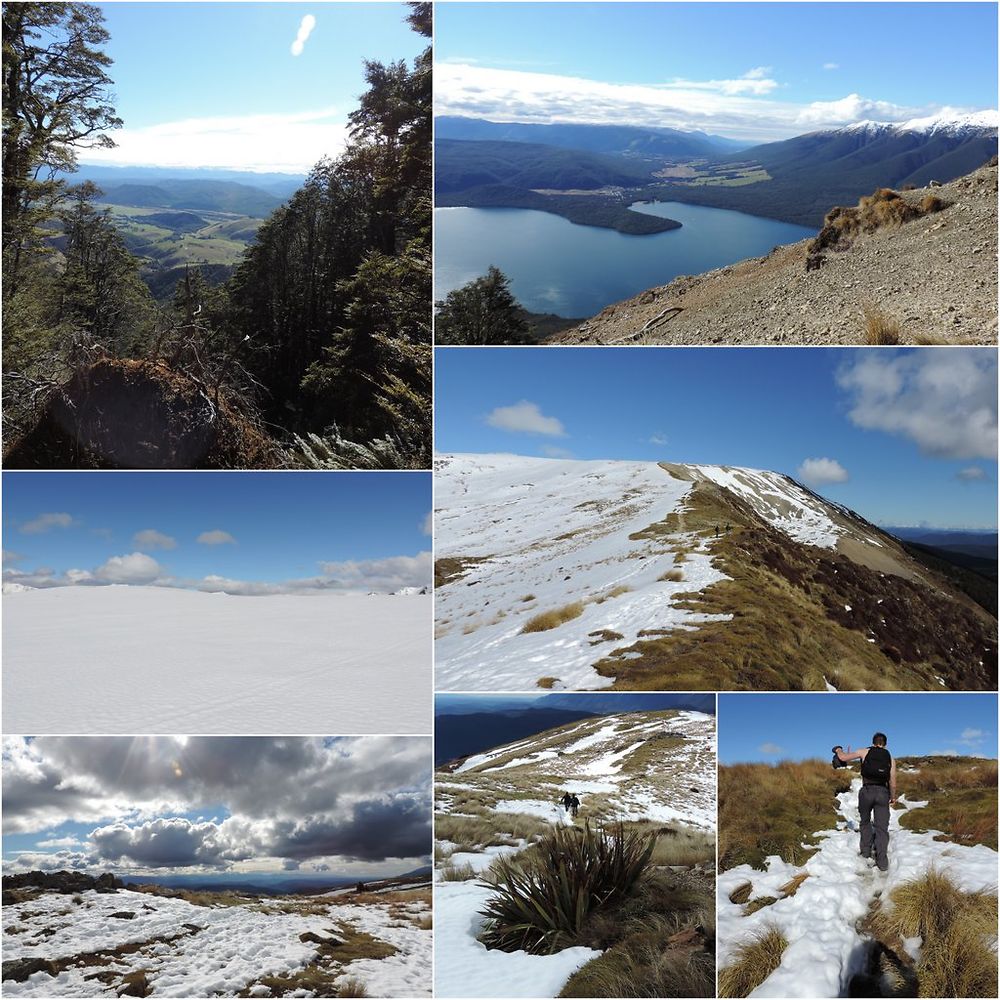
[
  {"x": 728, "y": 527},
  {"x": 716, "y": 531},
  {"x": 878, "y": 792},
  {"x": 567, "y": 801},
  {"x": 574, "y": 805}
]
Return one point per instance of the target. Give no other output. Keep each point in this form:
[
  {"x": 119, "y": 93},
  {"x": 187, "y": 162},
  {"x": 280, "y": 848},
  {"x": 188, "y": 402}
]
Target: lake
[{"x": 556, "y": 266}]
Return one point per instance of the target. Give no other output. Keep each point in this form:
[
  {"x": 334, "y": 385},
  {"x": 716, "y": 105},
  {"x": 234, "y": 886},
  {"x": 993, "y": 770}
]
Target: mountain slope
[
  {"x": 682, "y": 577},
  {"x": 935, "y": 276}
]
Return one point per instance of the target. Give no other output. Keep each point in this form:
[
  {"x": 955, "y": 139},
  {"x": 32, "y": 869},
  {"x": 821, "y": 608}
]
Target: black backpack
[{"x": 876, "y": 766}]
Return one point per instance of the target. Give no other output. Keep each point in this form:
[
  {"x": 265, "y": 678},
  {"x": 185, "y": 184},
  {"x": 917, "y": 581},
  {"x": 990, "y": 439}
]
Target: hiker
[
  {"x": 567, "y": 801},
  {"x": 574, "y": 804},
  {"x": 878, "y": 792},
  {"x": 716, "y": 531}
]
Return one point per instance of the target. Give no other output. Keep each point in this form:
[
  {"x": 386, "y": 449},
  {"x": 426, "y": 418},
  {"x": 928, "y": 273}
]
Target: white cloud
[
  {"x": 282, "y": 143},
  {"x": 551, "y": 451},
  {"x": 11, "y": 557},
  {"x": 742, "y": 107},
  {"x": 770, "y": 748},
  {"x": 60, "y": 842},
  {"x": 136, "y": 568},
  {"x": 150, "y": 538},
  {"x": 944, "y": 400},
  {"x": 216, "y": 537},
  {"x": 971, "y": 474},
  {"x": 820, "y": 471},
  {"x": 831, "y": 65},
  {"x": 972, "y": 737},
  {"x": 427, "y": 525},
  {"x": 79, "y": 575},
  {"x": 388, "y": 574},
  {"x": 658, "y": 439},
  {"x": 46, "y": 522},
  {"x": 305, "y": 30},
  {"x": 525, "y": 418}
]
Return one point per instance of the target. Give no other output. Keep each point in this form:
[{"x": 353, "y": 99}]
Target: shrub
[
  {"x": 541, "y": 904},
  {"x": 930, "y": 203},
  {"x": 457, "y": 873},
  {"x": 754, "y": 962},
  {"x": 553, "y": 619}
]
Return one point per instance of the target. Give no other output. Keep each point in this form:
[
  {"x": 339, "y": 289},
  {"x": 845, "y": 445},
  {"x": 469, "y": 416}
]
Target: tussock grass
[
  {"x": 961, "y": 796},
  {"x": 457, "y": 873},
  {"x": 352, "y": 987},
  {"x": 930, "y": 203},
  {"x": 766, "y": 810},
  {"x": 741, "y": 893},
  {"x": 527, "y": 597},
  {"x": 613, "y": 592},
  {"x": 755, "y": 961},
  {"x": 879, "y": 327},
  {"x": 753, "y": 905},
  {"x": 672, "y": 576},
  {"x": 957, "y": 929},
  {"x": 546, "y": 682},
  {"x": 553, "y": 619},
  {"x": 793, "y": 885}
]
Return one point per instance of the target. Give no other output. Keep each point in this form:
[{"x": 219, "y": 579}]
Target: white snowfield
[
  {"x": 234, "y": 946},
  {"x": 536, "y": 535},
  {"x": 124, "y": 659},
  {"x": 952, "y": 124},
  {"x": 824, "y": 948}
]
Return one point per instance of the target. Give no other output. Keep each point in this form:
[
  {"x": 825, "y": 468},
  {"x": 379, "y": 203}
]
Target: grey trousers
[{"x": 873, "y": 800}]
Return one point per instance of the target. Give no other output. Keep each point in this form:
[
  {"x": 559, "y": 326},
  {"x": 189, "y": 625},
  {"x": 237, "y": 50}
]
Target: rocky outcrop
[{"x": 64, "y": 882}]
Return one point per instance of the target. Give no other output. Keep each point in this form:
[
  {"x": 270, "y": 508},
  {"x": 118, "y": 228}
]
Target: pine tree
[{"x": 484, "y": 311}]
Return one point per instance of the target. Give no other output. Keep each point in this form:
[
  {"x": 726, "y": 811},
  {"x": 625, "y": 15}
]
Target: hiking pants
[{"x": 874, "y": 800}]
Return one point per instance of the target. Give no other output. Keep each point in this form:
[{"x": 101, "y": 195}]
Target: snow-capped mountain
[
  {"x": 948, "y": 124},
  {"x": 583, "y": 575}
]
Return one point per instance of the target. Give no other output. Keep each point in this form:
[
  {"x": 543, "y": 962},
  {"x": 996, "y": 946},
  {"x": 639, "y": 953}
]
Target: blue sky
[
  {"x": 214, "y": 805},
  {"x": 755, "y": 71},
  {"x": 909, "y": 435},
  {"x": 256, "y": 531},
  {"x": 217, "y": 85},
  {"x": 774, "y": 727}
]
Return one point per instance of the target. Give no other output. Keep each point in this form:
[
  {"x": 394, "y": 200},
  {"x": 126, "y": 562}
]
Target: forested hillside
[{"x": 315, "y": 353}]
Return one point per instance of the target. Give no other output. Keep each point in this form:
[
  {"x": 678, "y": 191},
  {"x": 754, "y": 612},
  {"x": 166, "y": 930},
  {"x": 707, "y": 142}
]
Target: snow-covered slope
[
  {"x": 656, "y": 766},
  {"x": 945, "y": 123},
  {"x": 819, "y": 921},
  {"x": 157, "y": 660},
  {"x": 633, "y": 766},
  {"x": 200, "y": 951},
  {"x": 544, "y": 565}
]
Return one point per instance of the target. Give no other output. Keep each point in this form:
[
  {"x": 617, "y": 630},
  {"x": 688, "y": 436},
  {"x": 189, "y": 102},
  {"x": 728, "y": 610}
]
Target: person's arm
[
  {"x": 848, "y": 755},
  {"x": 892, "y": 783}
]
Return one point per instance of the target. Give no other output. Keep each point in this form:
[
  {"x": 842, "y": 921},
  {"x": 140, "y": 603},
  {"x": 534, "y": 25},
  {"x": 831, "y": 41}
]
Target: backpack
[{"x": 876, "y": 766}]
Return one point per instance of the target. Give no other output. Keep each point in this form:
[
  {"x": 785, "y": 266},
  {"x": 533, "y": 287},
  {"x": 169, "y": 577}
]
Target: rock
[
  {"x": 124, "y": 915},
  {"x": 21, "y": 968},
  {"x": 310, "y": 938}
]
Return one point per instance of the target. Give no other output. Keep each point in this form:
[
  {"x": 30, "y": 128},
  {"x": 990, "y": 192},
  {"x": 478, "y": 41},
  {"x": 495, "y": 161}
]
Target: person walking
[{"x": 877, "y": 794}]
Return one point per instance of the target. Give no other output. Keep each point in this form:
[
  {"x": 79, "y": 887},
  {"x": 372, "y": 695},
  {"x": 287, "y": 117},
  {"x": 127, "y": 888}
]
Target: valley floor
[
  {"x": 820, "y": 918},
  {"x": 101, "y": 943},
  {"x": 158, "y": 660}
]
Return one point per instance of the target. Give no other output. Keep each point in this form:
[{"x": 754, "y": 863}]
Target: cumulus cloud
[
  {"x": 744, "y": 106},
  {"x": 46, "y": 522},
  {"x": 150, "y": 538},
  {"x": 971, "y": 474},
  {"x": 306, "y": 26},
  {"x": 944, "y": 400},
  {"x": 282, "y": 143},
  {"x": 216, "y": 537},
  {"x": 136, "y": 568},
  {"x": 379, "y": 574},
  {"x": 770, "y": 748},
  {"x": 525, "y": 418},
  {"x": 821, "y": 471},
  {"x": 357, "y": 800}
]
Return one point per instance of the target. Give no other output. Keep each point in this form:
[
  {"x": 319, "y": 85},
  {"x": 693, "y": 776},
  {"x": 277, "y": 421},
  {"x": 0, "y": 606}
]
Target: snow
[
  {"x": 949, "y": 123},
  {"x": 466, "y": 968},
  {"x": 214, "y": 663},
  {"x": 235, "y": 946},
  {"x": 825, "y": 948},
  {"x": 558, "y": 530}
]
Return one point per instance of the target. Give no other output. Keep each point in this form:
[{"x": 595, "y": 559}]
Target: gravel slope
[{"x": 936, "y": 275}]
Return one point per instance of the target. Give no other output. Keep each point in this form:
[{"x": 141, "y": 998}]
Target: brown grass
[
  {"x": 613, "y": 592},
  {"x": 880, "y": 327},
  {"x": 546, "y": 682},
  {"x": 553, "y": 619},
  {"x": 672, "y": 576},
  {"x": 793, "y": 884},
  {"x": 755, "y": 961},
  {"x": 741, "y": 893}
]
